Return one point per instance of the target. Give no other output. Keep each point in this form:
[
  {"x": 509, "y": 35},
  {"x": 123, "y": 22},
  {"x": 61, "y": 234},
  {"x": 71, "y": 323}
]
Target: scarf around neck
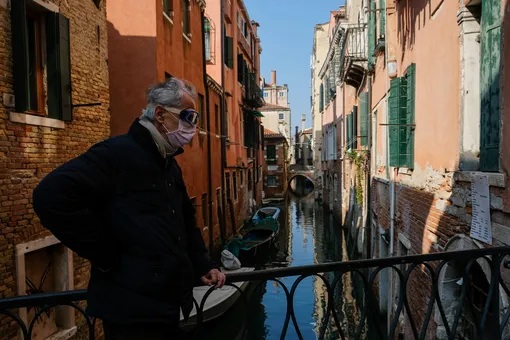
[{"x": 164, "y": 148}]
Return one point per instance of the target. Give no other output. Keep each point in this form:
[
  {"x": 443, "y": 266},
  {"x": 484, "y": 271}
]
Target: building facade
[
  {"x": 276, "y": 165},
  {"x": 55, "y": 105},
  {"x": 275, "y": 94},
  {"x": 278, "y": 119},
  {"x": 424, "y": 117},
  {"x": 151, "y": 42},
  {"x": 319, "y": 52},
  {"x": 235, "y": 65}
]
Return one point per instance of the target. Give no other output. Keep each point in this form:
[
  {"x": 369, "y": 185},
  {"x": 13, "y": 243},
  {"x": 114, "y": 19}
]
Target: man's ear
[{"x": 158, "y": 114}]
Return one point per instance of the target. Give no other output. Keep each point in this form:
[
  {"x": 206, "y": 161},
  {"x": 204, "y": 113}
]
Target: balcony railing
[
  {"x": 486, "y": 308},
  {"x": 253, "y": 93},
  {"x": 355, "y": 54}
]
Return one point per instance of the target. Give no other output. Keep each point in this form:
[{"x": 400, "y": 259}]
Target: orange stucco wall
[
  {"x": 422, "y": 25},
  {"x": 131, "y": 59}
]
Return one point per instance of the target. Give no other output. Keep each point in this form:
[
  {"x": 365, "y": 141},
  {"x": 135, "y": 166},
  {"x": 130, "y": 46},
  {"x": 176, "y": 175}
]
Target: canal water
[{"x": 308, "y": 235}]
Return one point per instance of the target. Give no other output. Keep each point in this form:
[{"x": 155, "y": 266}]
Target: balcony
[
  {"x": 440, "y": 312},
  {"x": 252, "y": 91},
  {"x": 355, "y": 54}
]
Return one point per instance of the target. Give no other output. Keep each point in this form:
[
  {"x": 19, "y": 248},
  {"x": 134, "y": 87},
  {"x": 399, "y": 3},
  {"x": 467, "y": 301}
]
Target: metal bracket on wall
[{"x": 85, "y": 105}]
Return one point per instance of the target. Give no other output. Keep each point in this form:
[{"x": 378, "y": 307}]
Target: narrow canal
[{"x": 308, "y": 235}]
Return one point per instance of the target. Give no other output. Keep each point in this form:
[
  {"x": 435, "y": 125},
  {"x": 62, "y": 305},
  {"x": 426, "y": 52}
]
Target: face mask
[{"x": 182, "y": 136}]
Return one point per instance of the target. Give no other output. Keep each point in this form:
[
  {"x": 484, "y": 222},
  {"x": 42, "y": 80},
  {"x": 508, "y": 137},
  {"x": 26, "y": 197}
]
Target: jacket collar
[{"x": 143, "y": 137}]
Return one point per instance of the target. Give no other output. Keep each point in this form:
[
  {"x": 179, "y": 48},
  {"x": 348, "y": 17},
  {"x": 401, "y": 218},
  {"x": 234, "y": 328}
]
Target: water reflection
[{"x": 308, "y": 235}]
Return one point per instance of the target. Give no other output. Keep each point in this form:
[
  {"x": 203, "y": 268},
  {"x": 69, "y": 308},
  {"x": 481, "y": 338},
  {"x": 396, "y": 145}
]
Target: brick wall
[{"x": 29, "y": 152}]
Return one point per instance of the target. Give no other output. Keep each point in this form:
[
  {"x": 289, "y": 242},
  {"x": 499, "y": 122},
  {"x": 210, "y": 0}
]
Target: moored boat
[{"x": 218, "y": 302}]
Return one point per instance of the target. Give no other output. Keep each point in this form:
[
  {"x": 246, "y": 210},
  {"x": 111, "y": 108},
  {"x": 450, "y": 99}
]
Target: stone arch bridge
[{"x": 297, "y": 179}]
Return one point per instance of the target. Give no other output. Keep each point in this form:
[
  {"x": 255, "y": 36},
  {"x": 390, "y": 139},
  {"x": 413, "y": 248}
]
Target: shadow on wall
[
  {"x": 439, "y": 219},
  {"x": 132, "y": 69},
  {"x": 412, "y": 14}
]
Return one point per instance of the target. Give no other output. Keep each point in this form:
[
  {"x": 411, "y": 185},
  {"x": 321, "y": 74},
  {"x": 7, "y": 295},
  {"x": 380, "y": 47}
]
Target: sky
[{"x": 286, "y": 34}]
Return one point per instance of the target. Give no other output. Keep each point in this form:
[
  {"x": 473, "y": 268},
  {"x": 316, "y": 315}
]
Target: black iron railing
[{"x": 444, "y": 313}]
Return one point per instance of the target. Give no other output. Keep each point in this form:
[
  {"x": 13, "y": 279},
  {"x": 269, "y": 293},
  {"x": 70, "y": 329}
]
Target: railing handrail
[
  {"x": 345, "y": 266},
  {"x": 61, "y": 298}
]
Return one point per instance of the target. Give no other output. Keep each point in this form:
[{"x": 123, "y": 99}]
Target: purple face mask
[{"x": 182, "y": 136}]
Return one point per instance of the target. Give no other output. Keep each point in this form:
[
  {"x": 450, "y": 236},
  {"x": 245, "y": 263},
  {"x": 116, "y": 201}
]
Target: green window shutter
[
  {"x": 246, "y": 131},
  {"x": 58, "y": 50},
  {"x": 20, "y": 55},
  {"x": 382, "y": 17},
  {"x": 355, "y": 127},
  {"x": 349, "y": 131},
  {"x": 490, "y": 85},
  {"x": 165, "y": 6},
  {"x": 364, "y": 118},
  {"x": 407, "y": 151},
  {"x": 394, "y": 120},
  {"x": 271, "y": 152},
  {"x": 240, "y": 68},
  {"x": 371, "y": 32},
  {"x": 321, "y": 98}
]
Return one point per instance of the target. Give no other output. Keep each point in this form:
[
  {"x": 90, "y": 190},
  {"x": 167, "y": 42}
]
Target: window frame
[{"x": 271, "y": 177}]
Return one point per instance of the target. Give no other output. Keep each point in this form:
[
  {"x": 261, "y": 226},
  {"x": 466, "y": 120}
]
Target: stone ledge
[
  {"x": 495, "y": 179},
  {"x": 29, "y": 119}
]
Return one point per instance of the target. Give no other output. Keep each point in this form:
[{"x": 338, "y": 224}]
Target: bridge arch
[{"x": 301, "y": 184}]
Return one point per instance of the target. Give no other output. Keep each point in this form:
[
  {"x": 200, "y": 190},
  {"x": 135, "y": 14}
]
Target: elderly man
[{"x": 123, "y": 205}]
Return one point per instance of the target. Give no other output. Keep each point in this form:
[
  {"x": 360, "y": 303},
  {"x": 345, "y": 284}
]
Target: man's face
[{"x": 170, "y": 120}]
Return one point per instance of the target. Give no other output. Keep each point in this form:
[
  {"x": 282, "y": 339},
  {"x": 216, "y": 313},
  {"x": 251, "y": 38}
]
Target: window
[
  {"x": 228, "y": 53},
  {"x": 217, "y": 118},
  {"x": 364, "y": 113},
  {"x": 401, "y": 119},
  {"x": 204, "y": 210},
  {"x": 266, "y": 94},
  {"x": 168, "y": 8},
  {"x": 321, "y": 98},
  {"x": 234, "y": 182},
  {"x": 227, "y": 184},
  {"x": 201, "y": 111},
  {"x": 35, "y": 32},
  {"x": 271, "y": 154},
  {"x": 281, "y": 116},
  {"x": 352, "y": 129},
  {"x": 186, "y": 12},
  {"x": 207, "y": 39},
  {"x": 271, "y": 181},
  {"x": 239, "y": 20},
  {"x": 241, "y": 174},
  {"x": 282, "y": 94},
  {"x": 42, "y": 267}
]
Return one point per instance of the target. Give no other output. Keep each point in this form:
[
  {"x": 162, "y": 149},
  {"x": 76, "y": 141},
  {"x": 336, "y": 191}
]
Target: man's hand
[{"x": 214, "y": 277}]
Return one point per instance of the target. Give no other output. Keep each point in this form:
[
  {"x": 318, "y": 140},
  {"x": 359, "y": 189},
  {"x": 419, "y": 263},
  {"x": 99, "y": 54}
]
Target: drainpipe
[
  {"x": 391, "y": 177},
  {"x": 223, "y": 123},
  {"x": 208, "y": 127},
  {"x": 368, "y": 172}
]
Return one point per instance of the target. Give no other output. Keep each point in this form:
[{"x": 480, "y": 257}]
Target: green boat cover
[{"x": 247, "y": 241}]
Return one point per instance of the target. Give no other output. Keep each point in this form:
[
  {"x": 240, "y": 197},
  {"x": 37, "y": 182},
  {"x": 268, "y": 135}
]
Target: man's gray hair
[{"x": 167, "y": 94}]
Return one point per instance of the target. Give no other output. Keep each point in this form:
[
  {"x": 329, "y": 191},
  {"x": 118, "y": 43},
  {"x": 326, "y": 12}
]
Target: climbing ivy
[{"x": 360, "y": 161}]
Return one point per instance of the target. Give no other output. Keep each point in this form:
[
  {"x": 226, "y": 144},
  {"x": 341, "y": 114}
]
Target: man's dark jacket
[{"x": 126, "y": 209}]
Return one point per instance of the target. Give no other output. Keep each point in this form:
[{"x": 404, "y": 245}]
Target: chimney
[
  {"x": 273, "y": 77},
  {"x": 303, "y": 120}
]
